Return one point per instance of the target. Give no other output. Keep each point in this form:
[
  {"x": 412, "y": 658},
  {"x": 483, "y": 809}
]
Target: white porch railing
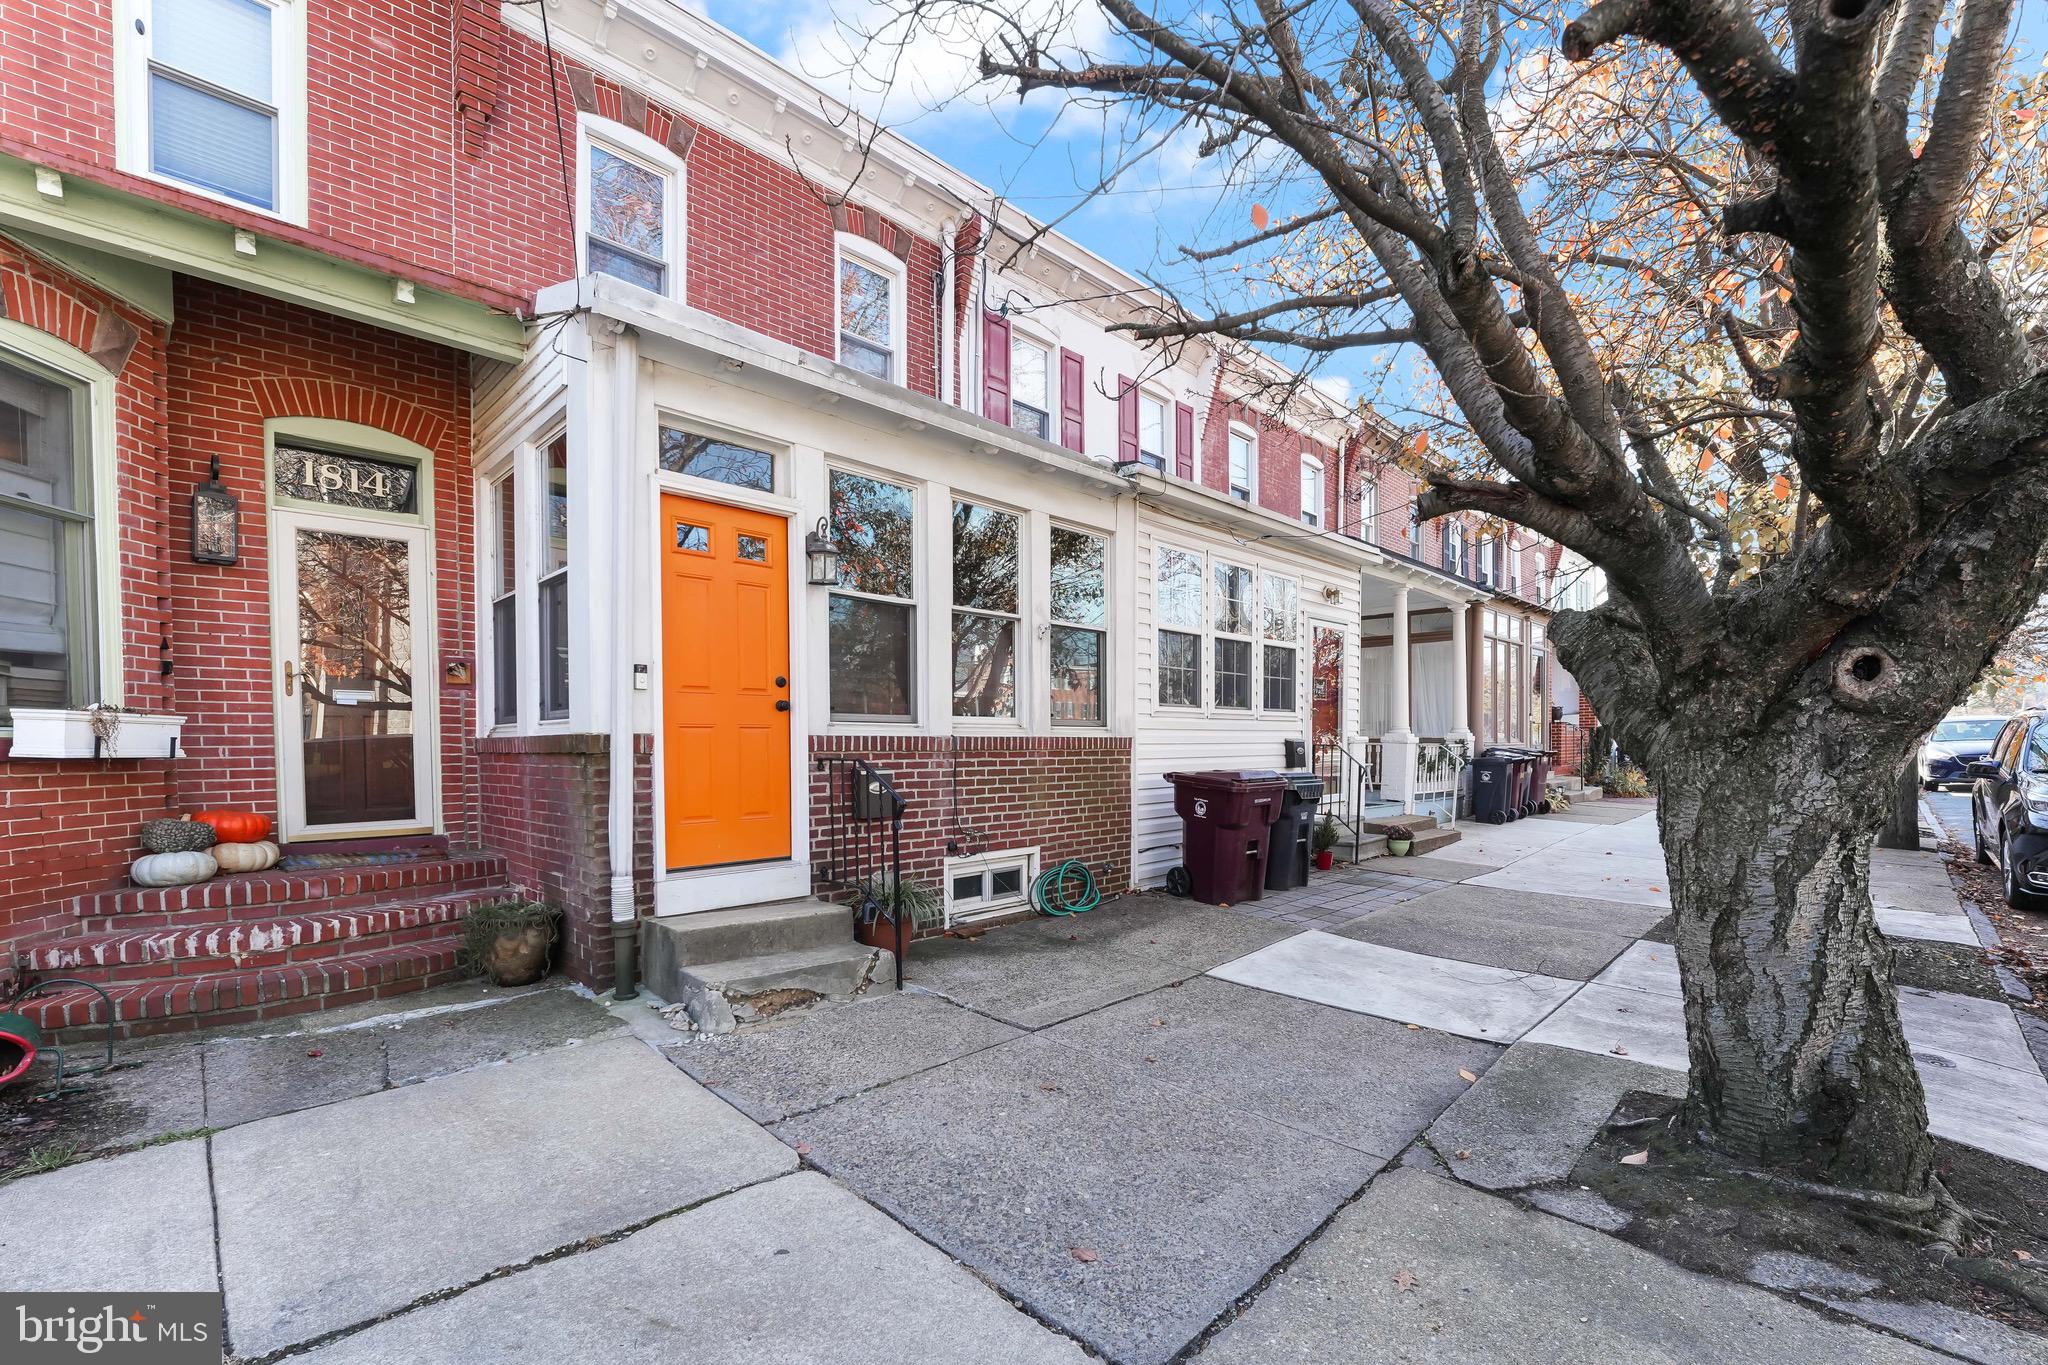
[{"x": 1438, "y": 767}]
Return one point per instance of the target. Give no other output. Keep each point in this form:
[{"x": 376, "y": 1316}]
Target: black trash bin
[
  {"x": 1492, "y": 787},
  {"x": 1226, "y": 818},
  {"x": 1287, "y": 856}
]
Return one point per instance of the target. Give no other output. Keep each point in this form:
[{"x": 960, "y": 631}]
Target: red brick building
[{"x": 531, "y": 377}]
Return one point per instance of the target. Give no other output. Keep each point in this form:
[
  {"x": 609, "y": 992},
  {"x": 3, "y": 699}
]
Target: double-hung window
[
  {"x": 1311, "y": 492},
  {"x": 631, "y": 212},
  {"x": 212, "y": 96},
  {"x": 502, "y": 570},
  {"x": 1232, "y": 647},
  {"x": 1030, "y": 387},
  {"x": 1368, "y": 511},
  {"x": 873, "y": 610},
  {"x": 985, "y": 617},
  {"x": 1454, "y": 548},
  {"x": 553, "y": 585},
  {"x": 48, "y": 608},
  {"x": 1279, "y": 623},
  {"x": 1177, "y": 593},
  {"x": 870, "y": 291},
  {"x": 1080, "y": 599},
  {"x": 1243, "y": 460},
  {"x": 1151, "y": 431}
]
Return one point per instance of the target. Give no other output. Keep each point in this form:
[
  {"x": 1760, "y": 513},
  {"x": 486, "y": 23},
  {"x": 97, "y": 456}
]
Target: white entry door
[{"x": 355, "y": 676}]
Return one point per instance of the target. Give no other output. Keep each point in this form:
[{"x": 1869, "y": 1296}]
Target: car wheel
[
  {"x": 2009, "y": 878},
  {"x": 1930, "y": 786},
  {"x": 1977, "y": 837}
]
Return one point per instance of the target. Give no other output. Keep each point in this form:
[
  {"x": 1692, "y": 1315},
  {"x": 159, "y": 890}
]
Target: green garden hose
[{"x": 1068, "y": 889}]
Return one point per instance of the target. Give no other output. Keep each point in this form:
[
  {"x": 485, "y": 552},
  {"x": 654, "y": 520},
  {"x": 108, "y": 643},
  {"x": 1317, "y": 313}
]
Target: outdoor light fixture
[
  {"x": 821, "y": 553},
  {"x": 216, "y": 521}
]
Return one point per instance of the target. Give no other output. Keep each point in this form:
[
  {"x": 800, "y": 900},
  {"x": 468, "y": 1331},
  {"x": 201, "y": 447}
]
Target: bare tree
[{"x": 1732, "y": 298}]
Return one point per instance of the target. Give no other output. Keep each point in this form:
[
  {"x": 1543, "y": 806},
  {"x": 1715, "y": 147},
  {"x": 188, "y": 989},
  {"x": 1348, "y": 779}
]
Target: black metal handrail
[
  {"x": 1351, "y": 782},
  {"x": 863, "y": 848}
]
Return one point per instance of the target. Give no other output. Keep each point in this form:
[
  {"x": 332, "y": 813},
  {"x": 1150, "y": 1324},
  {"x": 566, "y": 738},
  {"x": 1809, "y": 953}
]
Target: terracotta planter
[
  {"x": 1325, "y": 859},
  {"x": 518, "y": 957}
]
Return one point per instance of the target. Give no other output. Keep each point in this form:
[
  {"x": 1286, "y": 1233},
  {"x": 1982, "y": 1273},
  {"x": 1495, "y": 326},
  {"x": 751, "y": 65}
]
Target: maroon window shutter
[
  {"x": 1126, "y": 420},
  {"x": 1073, "y": 389},
  {"x": 995, "y": 367},
  {"x": 1184, "y": 441}
]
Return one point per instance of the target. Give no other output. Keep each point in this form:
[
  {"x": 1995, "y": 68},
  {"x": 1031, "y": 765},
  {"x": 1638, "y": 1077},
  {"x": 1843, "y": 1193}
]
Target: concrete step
[
  {"x": 837, "y": 971},
  {"x": 1371, "y": 846},
  {"x": 749, "y": 931},
  {"x": 1429, "y": 840}
]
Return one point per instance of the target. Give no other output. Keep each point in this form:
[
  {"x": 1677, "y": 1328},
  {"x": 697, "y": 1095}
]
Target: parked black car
[
  {"x": 2009, "y": 809},
  {"x": 1956, "y": 743}
]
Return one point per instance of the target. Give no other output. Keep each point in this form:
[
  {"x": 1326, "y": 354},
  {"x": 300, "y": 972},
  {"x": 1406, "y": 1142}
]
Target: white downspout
[
  {"x": 625, "y": 430},
  {"x": 949, "y": 269}
]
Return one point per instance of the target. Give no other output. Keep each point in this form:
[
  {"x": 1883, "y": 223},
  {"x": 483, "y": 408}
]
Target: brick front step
[
  {"x": 130, "y": 954},
  {"x": 264, "y": 895},
  {"x": 185, "y": 1003}
]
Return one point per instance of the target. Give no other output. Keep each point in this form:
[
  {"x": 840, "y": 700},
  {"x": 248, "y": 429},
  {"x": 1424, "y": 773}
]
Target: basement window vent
[{"x": 988, "y": 884}]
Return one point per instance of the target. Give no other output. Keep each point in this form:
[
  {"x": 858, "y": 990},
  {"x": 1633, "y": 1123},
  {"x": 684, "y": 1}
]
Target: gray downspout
[{"x": 624, "y": 428}]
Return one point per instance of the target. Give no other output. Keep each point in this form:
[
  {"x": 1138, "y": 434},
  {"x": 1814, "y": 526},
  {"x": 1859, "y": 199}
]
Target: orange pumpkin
[{"x": 235, "y": 826}]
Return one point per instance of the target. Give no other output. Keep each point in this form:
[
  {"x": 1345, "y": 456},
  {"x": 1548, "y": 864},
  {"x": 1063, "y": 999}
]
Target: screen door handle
[{"x": 289, "y": 672}]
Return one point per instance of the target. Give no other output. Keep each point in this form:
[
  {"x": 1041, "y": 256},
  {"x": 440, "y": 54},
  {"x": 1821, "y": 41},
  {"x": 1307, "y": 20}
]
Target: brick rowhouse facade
[{"x": 441, "y": 152}]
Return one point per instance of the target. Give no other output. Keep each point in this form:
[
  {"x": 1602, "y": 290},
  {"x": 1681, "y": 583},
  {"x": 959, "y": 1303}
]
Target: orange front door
[{"x": 725, "y": 683}]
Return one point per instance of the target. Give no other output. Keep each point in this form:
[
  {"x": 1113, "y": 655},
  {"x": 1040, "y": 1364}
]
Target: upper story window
[
  {"x": 631, "y": 208},
  {"x": 49, "y": 610},
  {"x": 1369, "y": 511},
  {"x": 1454, "y": 547},
  {"x": 1243, "y": 465},
  {"x": 1030, "y": 386},
  {"x": 1152, "y": 431},
  {"x": 211, "y": 95},
  {"x": 870, "y": 292},
  {"x": 1311, "y": 492}
]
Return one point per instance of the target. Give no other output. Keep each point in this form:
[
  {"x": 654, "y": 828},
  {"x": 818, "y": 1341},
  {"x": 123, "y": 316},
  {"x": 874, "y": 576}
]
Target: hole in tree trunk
[{"x": 1866, "y": 667}]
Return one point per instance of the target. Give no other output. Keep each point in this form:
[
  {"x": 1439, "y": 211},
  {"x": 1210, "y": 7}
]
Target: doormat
[{"x": 323, "y": 862}]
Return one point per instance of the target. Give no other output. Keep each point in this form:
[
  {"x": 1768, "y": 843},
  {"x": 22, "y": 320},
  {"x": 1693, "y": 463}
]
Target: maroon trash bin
[{"x": 1226, "y": 825}]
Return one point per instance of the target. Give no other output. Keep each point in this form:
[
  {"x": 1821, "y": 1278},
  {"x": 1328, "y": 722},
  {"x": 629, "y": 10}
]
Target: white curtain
[
  {"x": 1431, "y": 684},
  {"x": 1375, "y": 683}
]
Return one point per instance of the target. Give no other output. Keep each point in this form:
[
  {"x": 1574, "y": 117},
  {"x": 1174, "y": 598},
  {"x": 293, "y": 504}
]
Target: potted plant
[
  {"x": 871, "y": 925},
  {"x": 508, "y": 941},
  {"x": 1324, "y": 842},
  {"x": 1399, "y": 843}
]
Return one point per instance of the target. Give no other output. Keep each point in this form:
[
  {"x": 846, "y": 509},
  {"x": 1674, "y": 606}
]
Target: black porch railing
[
  {"x": 863, "y": 852},
  {"x": 1351, "y": 783}
]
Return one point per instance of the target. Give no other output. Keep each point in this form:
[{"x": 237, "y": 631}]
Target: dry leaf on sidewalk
[
  {"x": 1085, "y": 1255},
  {"x": 1618, "y": 1050},
  {"x": 1466, "y": 1075},
  {"x": 1641, "y": 1158}
]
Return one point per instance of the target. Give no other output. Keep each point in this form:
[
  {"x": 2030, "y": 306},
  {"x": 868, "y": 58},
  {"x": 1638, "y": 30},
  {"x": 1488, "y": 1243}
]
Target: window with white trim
[
  {"x": 1311, "y": 491},
  {"x": 211, "y": 95},
  {"x": 1280, "y": 625},
  {"x": 1231, "y": 647},
  {"x": 985, "y": 611},
  {"x": 1178, "y": 603},
  {"x": 873, "y": 611},
  {"x": 1454, "y": 548},
  {"x": 501, "y": 574},
  {"x": 552, "y": 586},
  {"x": 49, "y": 609},
  {"x": 1152, "y": 431},
  {"x": 988, "y": 883},
  {"x": 1369, "y": 510},
  {"x": 870, "y": 294},
  {"x": 1079, "y": 610},
  {"x": 631, "y": 209},
  {"x": 1030, "y": 386},
  {"x": 1244, "y": 465}
]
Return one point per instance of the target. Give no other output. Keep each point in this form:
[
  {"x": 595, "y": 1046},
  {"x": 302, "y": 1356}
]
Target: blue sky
[{"x": 1045, "y": 154}]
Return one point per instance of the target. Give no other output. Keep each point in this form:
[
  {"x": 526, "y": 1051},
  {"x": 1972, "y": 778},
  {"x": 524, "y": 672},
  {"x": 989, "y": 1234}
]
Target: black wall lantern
[
  {"x": 821, "y": 555},
  {"x": 216, "y": 521}
]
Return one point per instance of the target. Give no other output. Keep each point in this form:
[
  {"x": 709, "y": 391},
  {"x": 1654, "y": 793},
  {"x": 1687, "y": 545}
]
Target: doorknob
[
  {"x": 782, "y": 706},
  {"x": 288, "y": 673}
]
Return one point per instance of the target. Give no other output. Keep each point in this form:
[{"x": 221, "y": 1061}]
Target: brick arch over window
[{"x": 278, "y": 396}]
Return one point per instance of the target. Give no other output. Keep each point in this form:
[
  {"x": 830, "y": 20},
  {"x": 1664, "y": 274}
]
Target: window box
[{"x": 61, "y": 733}]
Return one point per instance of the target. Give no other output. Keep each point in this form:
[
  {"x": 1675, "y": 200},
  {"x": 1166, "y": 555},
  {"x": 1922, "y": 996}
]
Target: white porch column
[
  {"x": 621, "y": 465},
  {"x": 1461, "y": 677},
  {"x": 1397, "y": 746}
]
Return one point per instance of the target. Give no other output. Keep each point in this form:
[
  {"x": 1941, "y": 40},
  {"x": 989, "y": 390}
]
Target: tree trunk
[
  {"x": 1902, "y": 826},
  {"x": 1798, "y": 1059}
]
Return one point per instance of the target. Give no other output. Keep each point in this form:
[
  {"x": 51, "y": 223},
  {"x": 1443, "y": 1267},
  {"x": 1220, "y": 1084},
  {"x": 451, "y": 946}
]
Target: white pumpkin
[
  {"x": 173, "y": 869},
  {"x": 245, "y": 857}
]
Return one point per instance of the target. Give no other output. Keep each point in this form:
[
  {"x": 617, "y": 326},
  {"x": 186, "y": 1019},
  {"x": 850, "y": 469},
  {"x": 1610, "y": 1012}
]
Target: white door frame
[{"x": 286, "y": 523}]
